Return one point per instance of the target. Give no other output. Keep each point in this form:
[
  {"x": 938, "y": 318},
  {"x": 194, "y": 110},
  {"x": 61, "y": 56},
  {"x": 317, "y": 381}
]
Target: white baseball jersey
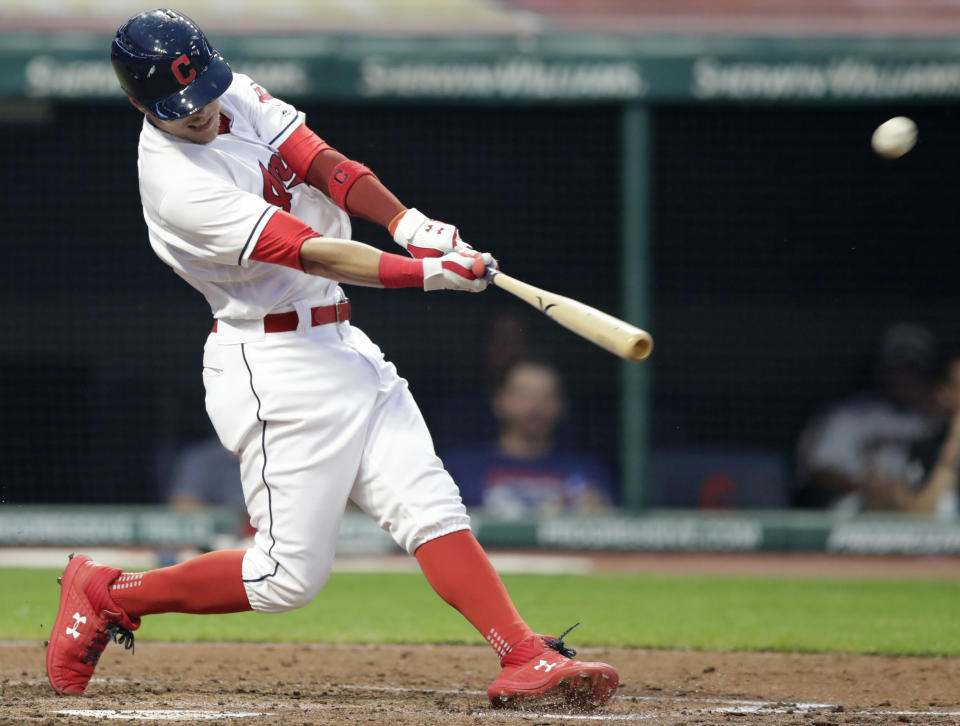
[
  {"x": 316, "y": 415},
  {"x": 207, "y": 204}
]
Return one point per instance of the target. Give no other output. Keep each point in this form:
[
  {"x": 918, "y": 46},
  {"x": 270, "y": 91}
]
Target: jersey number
[{"x": 278, "y": 179}]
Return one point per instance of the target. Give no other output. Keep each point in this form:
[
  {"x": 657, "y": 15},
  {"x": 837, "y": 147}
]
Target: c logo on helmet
[{"x": 182, "y": 70}]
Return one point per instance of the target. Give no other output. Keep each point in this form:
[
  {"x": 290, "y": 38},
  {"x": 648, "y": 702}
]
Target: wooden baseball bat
[{"x": 610, "y": 333}]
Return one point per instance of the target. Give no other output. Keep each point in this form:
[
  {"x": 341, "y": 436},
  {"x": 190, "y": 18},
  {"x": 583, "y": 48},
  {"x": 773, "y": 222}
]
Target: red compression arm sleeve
[
  {"x": 343, "y": 177},
  {"x": 366, "y": 195},
  {"x": 350, "y": 184}
]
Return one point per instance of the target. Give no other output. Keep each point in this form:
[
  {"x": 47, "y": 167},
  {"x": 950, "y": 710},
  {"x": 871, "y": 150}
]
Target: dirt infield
[{"x": 326, "y": 684}]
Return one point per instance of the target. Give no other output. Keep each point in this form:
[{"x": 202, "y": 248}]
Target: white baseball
[{"x": 895, "y": 137}]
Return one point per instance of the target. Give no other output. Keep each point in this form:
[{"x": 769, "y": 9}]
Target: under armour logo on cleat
[
  {"x": 546, "y": 665},
  {"x": 77, "y": 620}
]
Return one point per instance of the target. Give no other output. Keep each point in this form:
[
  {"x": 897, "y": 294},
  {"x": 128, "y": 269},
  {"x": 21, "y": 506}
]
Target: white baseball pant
[{"x": 318, "y": 415}]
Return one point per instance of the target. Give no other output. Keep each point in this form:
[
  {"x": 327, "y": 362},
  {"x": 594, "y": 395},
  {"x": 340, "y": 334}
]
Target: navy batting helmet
[{"x": 164, "y": 63}]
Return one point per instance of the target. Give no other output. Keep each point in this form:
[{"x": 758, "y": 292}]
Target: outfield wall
[
  {"x": 542, "y": 68},
  {"x": 718, "y": 191},
  {"x": 655, "y": 531}
]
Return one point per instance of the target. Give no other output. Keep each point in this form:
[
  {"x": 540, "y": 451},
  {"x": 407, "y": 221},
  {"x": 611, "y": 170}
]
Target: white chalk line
[
  {"x": 724, "y": 705},
  {"x": 208, "y": 715},
  {"x": 718, "y": 706},
  {"x": 155, "y": 714},
  {"x": 197, "y": 715}
]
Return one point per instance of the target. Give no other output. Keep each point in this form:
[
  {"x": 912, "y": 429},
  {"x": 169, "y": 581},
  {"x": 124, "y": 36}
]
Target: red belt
[{"x": 285, "y": 322}]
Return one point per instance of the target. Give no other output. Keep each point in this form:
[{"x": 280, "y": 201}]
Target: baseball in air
[{"x": 895, "y": 137}]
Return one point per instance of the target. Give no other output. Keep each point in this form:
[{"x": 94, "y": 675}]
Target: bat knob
[{"x": 479, "y": 267}]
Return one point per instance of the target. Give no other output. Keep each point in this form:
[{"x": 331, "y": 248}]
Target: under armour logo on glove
[{"x": 424, "y": 237}]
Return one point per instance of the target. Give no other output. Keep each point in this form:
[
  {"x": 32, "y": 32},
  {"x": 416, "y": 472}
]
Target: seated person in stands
[
  {"x": 855, "y": 455},
  {"x": 524, "y": 472},
  {"x": 930, "y": 486},
  {"x": 205, "y": 474}
]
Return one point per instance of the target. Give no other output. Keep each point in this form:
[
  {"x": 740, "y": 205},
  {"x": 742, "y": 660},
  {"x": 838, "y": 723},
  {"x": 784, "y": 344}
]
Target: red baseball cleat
[
  {"x": 541, "y": 669},
  {"x": 87, "y": 620}
]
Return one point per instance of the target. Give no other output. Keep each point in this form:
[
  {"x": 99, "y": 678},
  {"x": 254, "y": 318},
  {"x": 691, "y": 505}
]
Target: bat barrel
[{"x": 610, "y": 333}]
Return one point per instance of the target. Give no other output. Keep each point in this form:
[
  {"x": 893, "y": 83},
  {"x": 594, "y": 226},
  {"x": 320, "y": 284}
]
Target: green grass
[{"x": 727, "y": 613}]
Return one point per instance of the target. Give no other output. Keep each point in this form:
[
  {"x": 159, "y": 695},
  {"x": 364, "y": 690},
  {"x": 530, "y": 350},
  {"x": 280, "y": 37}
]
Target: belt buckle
[{"x": 336, "y": 308}]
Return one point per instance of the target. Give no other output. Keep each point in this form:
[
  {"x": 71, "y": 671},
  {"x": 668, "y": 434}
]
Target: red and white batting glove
[
  {"x": 424, "y": 237},
  {"x": 458, "y": 271}
]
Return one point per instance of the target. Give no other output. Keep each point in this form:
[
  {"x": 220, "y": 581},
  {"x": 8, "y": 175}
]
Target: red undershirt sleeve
[
  {"x": 301, "y": 148},
  {"x": 281, "y": 240}
]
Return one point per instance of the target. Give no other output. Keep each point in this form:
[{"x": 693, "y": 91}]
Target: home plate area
[{"x": 407, "y": 684}]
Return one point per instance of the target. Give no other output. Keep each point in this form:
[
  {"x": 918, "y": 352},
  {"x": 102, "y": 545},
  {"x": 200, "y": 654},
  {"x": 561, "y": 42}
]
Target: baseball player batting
[{"x": 249, "y": 206}]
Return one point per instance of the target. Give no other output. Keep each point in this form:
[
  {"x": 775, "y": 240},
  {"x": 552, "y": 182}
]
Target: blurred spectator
[
  {"x": 855, "y": 455},
  {"x": 504, "y": 340},
  {"x": 931, "y": 483},
  {"x": 205, "y": 474},
  {"x": 524, "y": 472}
]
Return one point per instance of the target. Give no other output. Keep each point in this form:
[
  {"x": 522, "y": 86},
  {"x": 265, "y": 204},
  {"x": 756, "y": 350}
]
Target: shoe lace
[
  {"x": 557, "y": 643},
  {"x": 104, "y": 634}
]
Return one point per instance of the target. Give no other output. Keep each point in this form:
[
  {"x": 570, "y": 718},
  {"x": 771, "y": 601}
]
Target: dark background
[{"x": 781, "y": 249}]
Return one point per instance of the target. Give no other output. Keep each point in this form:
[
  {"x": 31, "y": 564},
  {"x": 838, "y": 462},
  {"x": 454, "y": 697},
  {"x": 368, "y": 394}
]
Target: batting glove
[
  {"x": 458, "y": 271},
  {"x": 424, "y": 237}
]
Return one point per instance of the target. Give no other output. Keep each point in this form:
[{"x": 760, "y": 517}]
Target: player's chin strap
[{"x": 557, "y": 643}]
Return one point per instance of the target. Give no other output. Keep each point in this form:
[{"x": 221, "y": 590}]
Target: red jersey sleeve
[{"x": 281, "y": 240}]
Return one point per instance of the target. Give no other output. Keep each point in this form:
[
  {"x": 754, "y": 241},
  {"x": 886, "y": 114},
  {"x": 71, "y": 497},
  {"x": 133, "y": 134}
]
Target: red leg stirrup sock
[
  {"x": 210, "y": 583},
  {"x": 458, "y": 569}
]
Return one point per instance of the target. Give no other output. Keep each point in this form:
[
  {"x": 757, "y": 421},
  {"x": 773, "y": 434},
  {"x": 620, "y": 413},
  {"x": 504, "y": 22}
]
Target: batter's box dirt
[{"x": 285, "y": 684}]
